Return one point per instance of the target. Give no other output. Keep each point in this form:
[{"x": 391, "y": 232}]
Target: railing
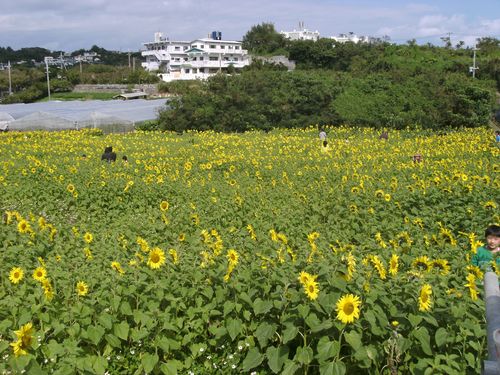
[{"x": 491, "y": 366}]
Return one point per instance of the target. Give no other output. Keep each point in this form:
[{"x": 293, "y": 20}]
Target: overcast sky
[{"x": 124, "y": 25}]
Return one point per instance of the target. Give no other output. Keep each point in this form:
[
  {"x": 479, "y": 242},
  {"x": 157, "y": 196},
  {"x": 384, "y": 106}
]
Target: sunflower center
[
  {"x": 348, "y": 308},
  {"x": 155, "y": 258}
]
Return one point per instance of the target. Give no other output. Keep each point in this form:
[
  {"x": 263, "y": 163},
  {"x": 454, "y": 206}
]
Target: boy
[{"x": 485, "y": 254}]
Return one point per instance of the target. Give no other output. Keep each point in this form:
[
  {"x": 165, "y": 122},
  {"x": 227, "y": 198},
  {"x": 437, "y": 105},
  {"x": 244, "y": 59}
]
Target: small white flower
[
  {"x": 108, "y": 358},
  {"x": 230, "y": 356},
  {"x": 247, "y": 344},
  {"x": 190, "y": 373},
  {"x": 215, "y": 366},
  {"x": 202, "y": 350},
  {"x": 233, "y": 366},
  {"x": 240, "y": 347},
  {"x": 253, "y": 373},
  {"x": 209, "y": 357},
  {"x": 132, "y": 351}
]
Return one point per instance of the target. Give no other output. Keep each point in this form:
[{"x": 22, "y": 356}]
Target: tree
[{"x": 263, "y": 38}]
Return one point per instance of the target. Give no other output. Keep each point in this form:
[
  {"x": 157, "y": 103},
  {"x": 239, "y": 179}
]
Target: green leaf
[
  {"x": 99, "y": 365},
  {"x": 332, "y": 368},
  {"x": 262, "y": 307},
  {"x": 414, "y": 320},
  {"x": 327, "y": 349},
  {"x": 113, "y": 340},
  {"x": 234, "y": 327},
  {"x": 354, "y": 339},
  {"x": 125, "y": 308},
  {"x": 149, "y": 361},
  {"x": 264, "y": 332},
  {"x": 303, "y": 310},
  {"x": 276, "y": 357},
  {"x": 169, "y": 368},
  {"x": 290, "y": 368},
  {"x": 121, "y": 330},
  {"x": 289, "y": 333},
  {"x": 304, "y": 355},
  {"x": 253, "y": 359},
  {"x": 422, "y": 335},
  {"x": 95, "y": 333},
  {"x": 441, "y": 336},
  {"x": 106, "y": 320}
]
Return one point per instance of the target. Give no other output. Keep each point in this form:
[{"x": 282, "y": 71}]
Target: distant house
[
  {"x": 131, "y": 95},
  {"x": 197, "y": 59},
  {"x": 301, "y": 34}
]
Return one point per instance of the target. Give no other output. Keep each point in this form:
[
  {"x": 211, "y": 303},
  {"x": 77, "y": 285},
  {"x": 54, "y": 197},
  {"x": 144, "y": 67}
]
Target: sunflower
[
  {"x": 422, "y": 263},
  {"x": 387, "y": 197},
  {"x": 156, "y": 258},
  {"x": 88, "y": 237},
  {"x": 82, "y": 288},
  {"x": 394, "y": 264},
  {"x": 490, "y": 204},
  {"x": 24, "y": 338},
  {"x": 348, "y": 308},
  {"x": 164, "y": 206},
  {"x": 232, "y": 257},
  {"x": 424, "y": 300},
  {"x": 70, "y": 188},
  {"x": 305, "y": 277},
  {"x": 16, "y": 274},
  {"x": 442, "y": 265},
  {"x": 40, "y": 274},
  {"x": 23, "y": 226},
  {"x": 174, "y": 255},
  {"x": 471, "y": 284},
  {"x": 48, "y": 290},
  {"x": 312, "y": 290},
  {"x": 117, "y": 267},
  {"x": 379, "y": 193},
  {"x": 182, "y": 237}
]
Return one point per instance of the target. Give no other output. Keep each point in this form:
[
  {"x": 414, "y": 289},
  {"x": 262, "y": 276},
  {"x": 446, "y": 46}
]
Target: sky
[{"x": 123, "y": 25}]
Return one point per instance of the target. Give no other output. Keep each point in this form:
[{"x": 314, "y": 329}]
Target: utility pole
[
  {"x": 473, "y": 68},
  {"x": 129, "y": 59},
  {"x": 48, "y": 79},
  {"x": 10, "y": 79}
]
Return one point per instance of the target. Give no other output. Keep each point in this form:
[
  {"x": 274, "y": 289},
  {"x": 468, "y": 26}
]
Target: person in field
[
  {"x": 325, "y": 147},
  {"x": 109, "y": 155},
  {"x": 491, "y": 251}
]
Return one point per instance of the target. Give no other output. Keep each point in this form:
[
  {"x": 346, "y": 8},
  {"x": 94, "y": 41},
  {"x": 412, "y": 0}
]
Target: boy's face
[{"x": 493, "y": 241}]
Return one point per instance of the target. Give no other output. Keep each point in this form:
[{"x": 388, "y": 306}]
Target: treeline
[
  {"x": 36, "y": 54},
  {"x": 380, "y": 85},
  {"x": 272, "y": 98}
]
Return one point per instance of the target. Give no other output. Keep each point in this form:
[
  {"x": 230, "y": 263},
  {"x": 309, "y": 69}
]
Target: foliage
[
  {"x": 265, "y": 99},
  {"x": 263, "y": 38},
  {"x": 287, "y": 209}
]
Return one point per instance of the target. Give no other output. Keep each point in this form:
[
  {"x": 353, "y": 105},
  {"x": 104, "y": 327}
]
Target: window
[
  {"x": 236, "y": 47},
  {"x": 222, "y": 47},
  {"x": 214, "y": 58},
  {"x": 194, "y": 46},
  {"x": 186, "y": 70},
  {"x": 212, "y": 45},
  {"x": 185, "y": 59},
  {"x": 177, "y": 48},
  {"x": 194, "y": 58},
  {"x": 201, "y": 58},
  {"x": 202, "y": 46},
  {"x": 229, "y": 47}
]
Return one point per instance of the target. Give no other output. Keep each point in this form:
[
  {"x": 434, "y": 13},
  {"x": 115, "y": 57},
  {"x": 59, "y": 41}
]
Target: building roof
[{"x": 131, "y": 95}]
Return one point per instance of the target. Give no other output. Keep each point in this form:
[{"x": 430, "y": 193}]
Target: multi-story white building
[
  {"x": 301, "y": 34},
  {"x": 198, "y": 59},
  {"x": 351, "y": 37}
]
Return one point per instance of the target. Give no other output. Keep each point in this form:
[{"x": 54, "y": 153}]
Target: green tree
[{"x": 263, "y": 38}]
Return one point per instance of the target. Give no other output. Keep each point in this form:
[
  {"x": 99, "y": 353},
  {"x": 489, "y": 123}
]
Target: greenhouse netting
[{"x": 110, "y": 116}]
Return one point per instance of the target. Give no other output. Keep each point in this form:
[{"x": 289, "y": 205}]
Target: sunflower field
[{"x": 254, "y": 253}]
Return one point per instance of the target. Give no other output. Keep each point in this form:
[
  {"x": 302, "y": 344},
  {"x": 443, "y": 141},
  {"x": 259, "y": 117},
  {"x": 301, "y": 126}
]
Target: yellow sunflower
[
  {"x": 16, "y": 275},
  {"x": 24, "y": 338},
  {"x": 88, "y": 237},
  {"x": 232, "y": 257},
  {"x": 442, "y": 265},
  {"x": 394, "y": 264},
  {"x": 422, "y": 263},
  {"x": 40, "y": 274},
  {"x": 117, "y": 267},
  {"x": 348, "y": 308},
  {"x": 156, "y": 258},
  {"x": 23, "y": 226},
  {"x": 82, "y": 288},
  {"x": 424, "y": 300},
  {"x": 70, "y": 188},
  {"x": 312, "y": 289},
  {"x": 174, "y": 255},
  {"x": 164, "y": 206},
  {"x": 305, "y": 277}
]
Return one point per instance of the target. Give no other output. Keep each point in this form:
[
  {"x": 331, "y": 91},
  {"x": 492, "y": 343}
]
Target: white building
[
  {"x": 301, "y": 34},
  {"x": 198, "y": 59},
  {"x": 351, "y": 37}
]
